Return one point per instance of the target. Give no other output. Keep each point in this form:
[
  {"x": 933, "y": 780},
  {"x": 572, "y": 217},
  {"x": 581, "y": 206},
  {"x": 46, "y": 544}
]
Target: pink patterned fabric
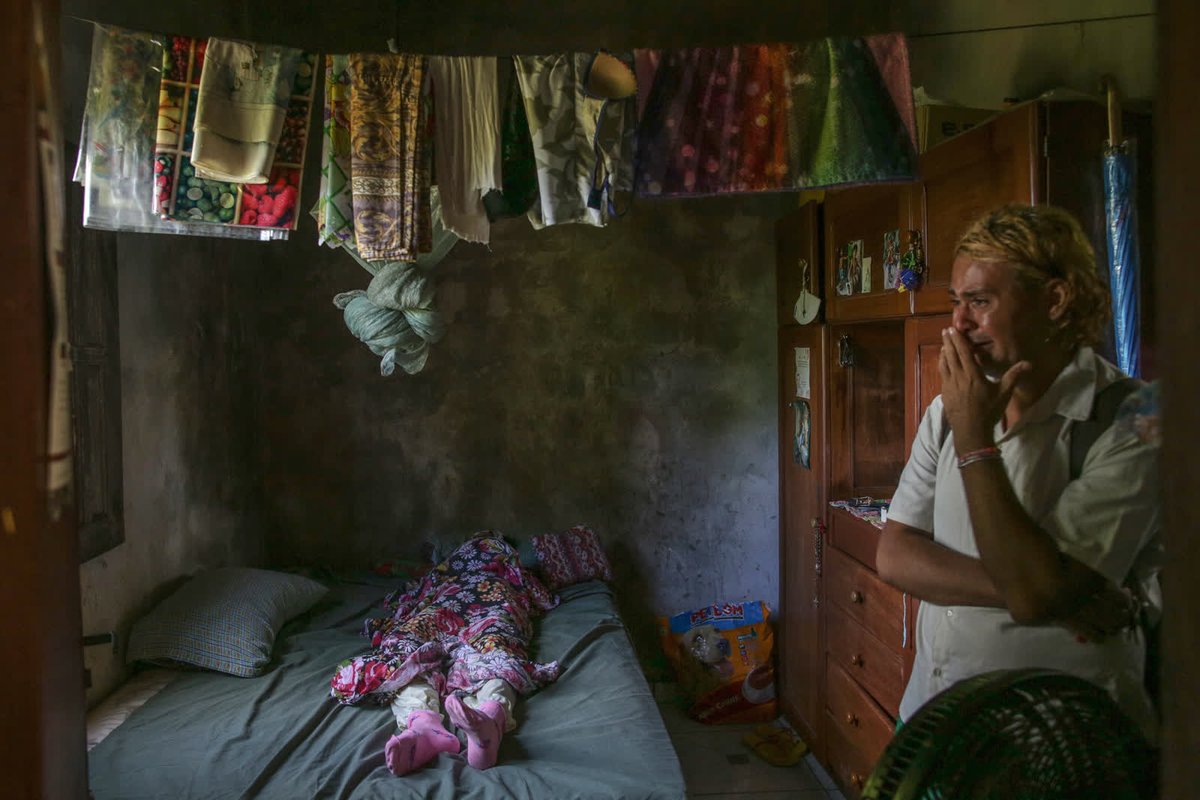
[
  {"x": 572, "y": 556},
  {"x": 715, "y": 120},
  {"x": 467, "y": 621}
]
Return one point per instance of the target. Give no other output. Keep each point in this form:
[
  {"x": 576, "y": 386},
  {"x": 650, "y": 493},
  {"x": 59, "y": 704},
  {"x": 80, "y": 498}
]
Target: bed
[{"x": 594, "y": 733}]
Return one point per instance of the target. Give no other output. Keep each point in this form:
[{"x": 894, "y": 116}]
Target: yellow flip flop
[{"x": 776, "y": 745}]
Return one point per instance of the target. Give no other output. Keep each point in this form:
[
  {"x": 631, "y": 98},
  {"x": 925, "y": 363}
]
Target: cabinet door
[
  {"x": 967, "y": 176},
  {"x": 1075, "y": 136},
  {"x": 863, "y": 215},
  {"x": 797, "y": 259},
  {"x": 96, "y": 384},
  {"x": 802, "y": 504},
  {"x": 866, "y": 408},
  {"x": 922, "y": 382}
]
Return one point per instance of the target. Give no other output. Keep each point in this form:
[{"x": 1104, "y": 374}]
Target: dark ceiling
[{"x": 475, "y": 27}]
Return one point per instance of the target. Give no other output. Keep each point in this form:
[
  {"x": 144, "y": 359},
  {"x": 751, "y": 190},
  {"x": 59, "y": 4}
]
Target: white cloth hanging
[{"x": 466, "y": 141}]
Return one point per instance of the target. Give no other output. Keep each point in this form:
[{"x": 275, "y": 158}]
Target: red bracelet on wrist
[{"x": 982, "y": 454}]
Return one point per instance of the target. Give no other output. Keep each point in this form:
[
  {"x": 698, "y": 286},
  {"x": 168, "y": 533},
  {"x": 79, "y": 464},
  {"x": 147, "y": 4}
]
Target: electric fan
[{"x": 1017, "y": 735}]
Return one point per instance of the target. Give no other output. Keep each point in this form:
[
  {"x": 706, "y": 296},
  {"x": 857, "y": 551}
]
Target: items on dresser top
[{"x": 865, "y": 508}]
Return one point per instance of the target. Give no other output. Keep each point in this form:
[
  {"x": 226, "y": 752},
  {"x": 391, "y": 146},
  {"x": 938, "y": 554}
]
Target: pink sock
[
  {"x": 419, "y": 743},
  {"x": 484, "y": 727}
]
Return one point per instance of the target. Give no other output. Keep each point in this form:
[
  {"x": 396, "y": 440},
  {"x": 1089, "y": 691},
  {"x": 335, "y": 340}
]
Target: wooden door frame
[
  {"x": 1177, "y": 173},
  {"x": 40, "y": 626},
  {"x": 42, "y": 694}
]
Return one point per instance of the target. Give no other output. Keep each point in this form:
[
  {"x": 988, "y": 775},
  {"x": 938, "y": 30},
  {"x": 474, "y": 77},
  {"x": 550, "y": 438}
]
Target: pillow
[
  {"x": 224, "y": 619},
  {"x": 572, "y": 556}
]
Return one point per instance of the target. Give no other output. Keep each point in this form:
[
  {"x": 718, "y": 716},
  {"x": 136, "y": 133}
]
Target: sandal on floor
[{"x": 776, "y": 745}]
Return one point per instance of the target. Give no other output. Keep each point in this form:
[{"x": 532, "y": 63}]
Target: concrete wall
[
  {"x": 622, "y": 378},
  {"x": 189, "y": 443},
  {"x": 977, "y": 53}
]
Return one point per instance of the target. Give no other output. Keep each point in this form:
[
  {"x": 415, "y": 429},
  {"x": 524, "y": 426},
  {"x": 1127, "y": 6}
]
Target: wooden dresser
[{"x": 862, "y": 375}]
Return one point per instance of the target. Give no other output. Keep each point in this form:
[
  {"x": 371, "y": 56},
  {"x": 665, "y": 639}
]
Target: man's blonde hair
[{"x": 1044, "y": 243}]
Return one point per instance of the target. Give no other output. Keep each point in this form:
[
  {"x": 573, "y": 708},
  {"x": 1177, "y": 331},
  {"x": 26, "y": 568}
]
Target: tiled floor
[{"x": 717, "y": 766}]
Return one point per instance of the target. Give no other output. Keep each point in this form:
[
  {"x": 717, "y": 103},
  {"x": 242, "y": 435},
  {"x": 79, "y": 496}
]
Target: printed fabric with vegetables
[{"x": 180, "y": 193}]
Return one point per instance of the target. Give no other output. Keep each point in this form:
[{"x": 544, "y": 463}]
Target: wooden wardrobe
[{"x": 846, "y": 638}]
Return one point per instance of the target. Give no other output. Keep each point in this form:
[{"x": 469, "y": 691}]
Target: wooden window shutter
[{"x": 96, "y": 382}]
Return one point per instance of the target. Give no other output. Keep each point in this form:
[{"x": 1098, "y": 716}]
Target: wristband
[{"x": 982, "y": 454}]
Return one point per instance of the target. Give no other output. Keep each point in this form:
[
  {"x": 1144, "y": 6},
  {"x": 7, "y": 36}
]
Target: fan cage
[{"x": 1016, "y": 734}]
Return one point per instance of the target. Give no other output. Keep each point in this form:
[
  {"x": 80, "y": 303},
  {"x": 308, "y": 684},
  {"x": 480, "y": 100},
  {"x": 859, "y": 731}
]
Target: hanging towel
[
  {"x": 126, "y": 185},
  {"x": 181, "y": 194},
  {"x": 334, "y": 210},
  {"x": 645, "y": 67},
  {"x": 466, "y": 141},
  {"x": 116, "y": 143},
  {"x": 890, "y": 53},
  {"x": 583, "y": 144},
  {"x": 518, "y": 166},
  {"x": 714, "y": 121},
  {"x": 851, "y": 112},
  {"x": 443, "y": 243},
  {"x": 243, "y": 101},
  {"x": 389, "y": 153}
]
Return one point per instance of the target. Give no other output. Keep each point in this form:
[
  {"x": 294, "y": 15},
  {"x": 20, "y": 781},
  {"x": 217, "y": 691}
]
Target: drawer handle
[
  {"x": 857, "y": 780},
  {"x": 856, "y": 596},
  {"x": 856, "y": 660},
  {"x": 851, "y": 720}
]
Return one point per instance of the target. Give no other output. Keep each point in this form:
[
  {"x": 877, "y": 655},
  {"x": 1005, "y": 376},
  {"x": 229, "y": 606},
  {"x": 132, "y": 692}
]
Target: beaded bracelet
[{"x": 983, "y": 454}]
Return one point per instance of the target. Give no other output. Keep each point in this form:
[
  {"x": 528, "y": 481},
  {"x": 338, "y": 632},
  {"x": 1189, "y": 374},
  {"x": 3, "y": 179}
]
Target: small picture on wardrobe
[
  {"x": 854, "y": 257},
  {"x": 802, "y": 442},
  {"x": 844, "y": 287},
  {"x": 891, "y": 260}
]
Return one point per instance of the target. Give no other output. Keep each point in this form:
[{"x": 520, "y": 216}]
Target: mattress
[
  {"x": 116, "y": 708},
  {"x": 594, "y": 733}
]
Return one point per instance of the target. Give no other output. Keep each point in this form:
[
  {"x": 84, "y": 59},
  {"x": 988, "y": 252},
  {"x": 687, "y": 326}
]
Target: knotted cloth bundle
[{"x": 395, "y": 317}]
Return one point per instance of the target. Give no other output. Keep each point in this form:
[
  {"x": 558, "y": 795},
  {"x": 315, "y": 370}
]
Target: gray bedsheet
[{"x": 595, "y": 733}]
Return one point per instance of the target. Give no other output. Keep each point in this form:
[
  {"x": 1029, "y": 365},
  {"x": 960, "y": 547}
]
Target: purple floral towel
[{"x": 468, "y": 621}]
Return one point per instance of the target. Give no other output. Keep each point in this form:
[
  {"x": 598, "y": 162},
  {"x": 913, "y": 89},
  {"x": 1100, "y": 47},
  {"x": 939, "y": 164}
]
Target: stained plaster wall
[
  {"x": 622, "y": 378},
  {"x": 191, "y": 490}
]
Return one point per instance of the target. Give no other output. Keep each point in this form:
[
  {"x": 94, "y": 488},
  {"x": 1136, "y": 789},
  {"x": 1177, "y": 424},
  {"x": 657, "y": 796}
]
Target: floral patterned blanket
[{"x": 470, "y": 619}]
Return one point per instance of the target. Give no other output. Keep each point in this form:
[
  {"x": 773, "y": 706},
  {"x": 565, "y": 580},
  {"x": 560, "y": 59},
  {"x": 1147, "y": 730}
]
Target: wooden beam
[{"x": 469, "y": 27}]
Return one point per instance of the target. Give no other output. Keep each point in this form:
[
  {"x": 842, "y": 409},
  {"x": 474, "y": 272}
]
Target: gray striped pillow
[{"x": 225, "y": 620}]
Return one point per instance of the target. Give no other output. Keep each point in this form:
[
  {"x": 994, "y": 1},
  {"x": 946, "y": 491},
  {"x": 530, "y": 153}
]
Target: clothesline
[
  {"x": 758, "y": 117},
  {"x": 212, "y": 142}
]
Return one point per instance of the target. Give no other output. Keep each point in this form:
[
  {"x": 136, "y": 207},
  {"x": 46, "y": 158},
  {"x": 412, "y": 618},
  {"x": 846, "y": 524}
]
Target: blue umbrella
[{"x": 1120, "y": 185}]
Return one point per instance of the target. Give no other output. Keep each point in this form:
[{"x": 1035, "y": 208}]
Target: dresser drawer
[
  {"x": 870, "y": 602},
  {"x": 873, "y": 665},
  {"x": 849, "y": 765},
  {"x": 854, "y": 536},
  {"x": 859, "y": 719}
]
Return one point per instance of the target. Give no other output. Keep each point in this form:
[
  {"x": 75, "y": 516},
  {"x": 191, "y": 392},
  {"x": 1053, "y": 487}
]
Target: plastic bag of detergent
[{"x": 722, "y": 657}]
